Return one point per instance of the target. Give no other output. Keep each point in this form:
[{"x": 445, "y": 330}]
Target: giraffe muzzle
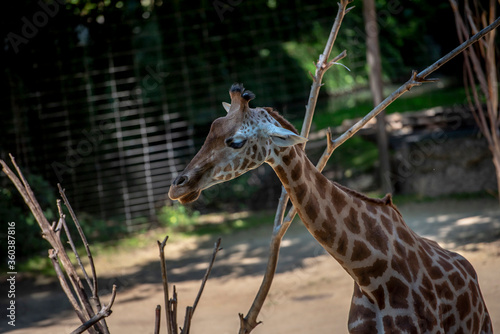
[{"x": 180, "y": 190}]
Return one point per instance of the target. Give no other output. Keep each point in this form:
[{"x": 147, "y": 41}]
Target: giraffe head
[{"x": 242, "y": 140}]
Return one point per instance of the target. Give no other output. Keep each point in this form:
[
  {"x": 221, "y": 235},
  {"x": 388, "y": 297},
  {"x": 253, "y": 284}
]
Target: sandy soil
[{"x": 311, "y": 292}]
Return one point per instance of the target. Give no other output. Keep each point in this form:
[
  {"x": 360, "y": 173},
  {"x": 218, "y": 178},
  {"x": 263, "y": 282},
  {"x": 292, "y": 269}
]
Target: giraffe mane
[{"x": 386, "y": 200}]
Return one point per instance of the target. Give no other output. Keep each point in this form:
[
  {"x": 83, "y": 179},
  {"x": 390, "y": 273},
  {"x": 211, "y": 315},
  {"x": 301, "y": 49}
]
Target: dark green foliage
[
  {"x": 29, "y": 241},
  {"x": 170, "y": 64}
]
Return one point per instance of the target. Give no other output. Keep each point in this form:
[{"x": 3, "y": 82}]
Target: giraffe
[{"x": 403, "y": 283}]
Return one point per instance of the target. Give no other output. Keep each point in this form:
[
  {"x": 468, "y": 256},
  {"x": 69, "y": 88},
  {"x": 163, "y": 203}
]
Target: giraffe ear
[
  {"x": 226, "y": 106},
  {"x": 284, "y": 138}
]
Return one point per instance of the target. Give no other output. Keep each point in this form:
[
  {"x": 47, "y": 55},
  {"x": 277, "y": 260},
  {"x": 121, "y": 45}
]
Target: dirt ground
[{"x": 310, "y": 293}]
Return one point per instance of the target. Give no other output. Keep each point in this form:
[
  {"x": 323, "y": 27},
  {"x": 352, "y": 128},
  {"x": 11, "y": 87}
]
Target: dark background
[{"x": 112, "y": 98}]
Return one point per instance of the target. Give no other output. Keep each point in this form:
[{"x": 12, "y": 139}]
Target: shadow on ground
[{"x": 454, "y": 223}]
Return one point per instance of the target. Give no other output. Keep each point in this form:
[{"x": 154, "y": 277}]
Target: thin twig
[
  {"x": 190, "y": 309},
  {"x": 64, "y": 285},
  {"x": 173, "y": 310},
  {"x": 187, "y": 320},
  {"x": 103, "y": 313},
  {"x": 217, "y": 248},
  {"x": 73, "y": 248},
  {"x": 171, "y": 327},
  {"x": 157, "y": 319},
  {"x": 94, "y": 285}
]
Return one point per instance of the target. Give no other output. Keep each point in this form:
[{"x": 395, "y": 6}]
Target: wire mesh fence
[{"x": 112, "y": 108}]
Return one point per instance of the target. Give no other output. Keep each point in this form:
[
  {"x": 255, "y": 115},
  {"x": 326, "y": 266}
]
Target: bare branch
[
  {"x": 94, "y": 286},
  {"x": 73, "y": 248},
  {"x": 171, "y": 304},
  {"x": 171, "y": 327},
  {"x": 207, "y": 273},
  {"x": 459, "y": 49},
  {"x": 51, "y": 233},
  {"x": 64, "y": 285}
]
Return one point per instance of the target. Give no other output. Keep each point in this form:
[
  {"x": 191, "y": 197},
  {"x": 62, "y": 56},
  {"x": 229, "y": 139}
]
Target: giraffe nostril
[{"x": 180, "y": 180}]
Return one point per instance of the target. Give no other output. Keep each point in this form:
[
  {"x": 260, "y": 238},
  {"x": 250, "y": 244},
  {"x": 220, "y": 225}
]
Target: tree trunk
[{"x": 376, "y": 87}]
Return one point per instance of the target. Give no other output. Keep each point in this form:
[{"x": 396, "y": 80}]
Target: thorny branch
[
  {"x": 281, "y": 223},
  {"x": 59, "y": 257}
]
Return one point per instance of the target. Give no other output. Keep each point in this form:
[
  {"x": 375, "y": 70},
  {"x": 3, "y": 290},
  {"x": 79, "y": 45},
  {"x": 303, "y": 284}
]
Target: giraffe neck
[{"x": 354, "y": 229}]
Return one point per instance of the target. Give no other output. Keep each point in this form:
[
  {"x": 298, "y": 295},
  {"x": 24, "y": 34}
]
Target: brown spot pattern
[
  {"x": 282, "y": 174},
  {"x": 321, "y": 185},
  {"x": 368, "y": 325},
  {"x": 338, "y": 199},
  {"x": 400, "y": 265},
  {"x": 398, "y": 293},
  {"x": 386, "y": 223},
  {"x": 286, "y": 159},
  {"x": 389, "y": 326},
  {"x": 342, "y": 244},
  {"x": 300, "y": 191},
  {"x": 405, "y": 236},
  {"x": 374, "y": 234},
  {"x": 360, "y": 251},
  {"x": 444, "y": 291},
  {"x": 456, "y": 280},
  {"x": 379, "y": 295},
  {"x": 325, "y": 235},
  {"x": 365, "y": 274},
  {"x": 296, "y": 172},
  {"x": 312, "y": 209},
  {"x": 405, "y": 324},
  {"x": 463, "y": 305},
  {"x": 351, "y": 222}
]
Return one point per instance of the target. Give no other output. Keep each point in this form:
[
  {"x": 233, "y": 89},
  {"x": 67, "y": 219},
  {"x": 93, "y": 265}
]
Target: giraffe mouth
[{"x": 184, "y": 198}]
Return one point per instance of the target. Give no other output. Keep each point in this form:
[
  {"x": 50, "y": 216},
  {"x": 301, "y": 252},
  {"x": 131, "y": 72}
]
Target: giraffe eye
[{"x": 236, "y": 144}]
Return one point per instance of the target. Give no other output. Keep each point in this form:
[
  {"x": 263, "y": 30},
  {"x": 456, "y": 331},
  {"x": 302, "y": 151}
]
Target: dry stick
[
  {"x": 190, "y": 310},
  {"x": 64, "y": 285},
  {"x": 249, "y": 322},
  {"x": 48, "y": 233},
  {"x": 217, "y": 248},
  {"x": 71, "y": 243},
  {"x": 173, "y": 309},
  {"x": 94, "y": 286},
  {"x": 104, "y": 312},
  {"x": 103, "y": 327},
  {"x": 171, "y": 322},
  {"x": 187, "y": 320},
  {"x": 157, "y": 319}
]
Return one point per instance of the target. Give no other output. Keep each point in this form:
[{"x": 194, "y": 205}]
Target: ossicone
[{"x": 237, "y": 91}]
